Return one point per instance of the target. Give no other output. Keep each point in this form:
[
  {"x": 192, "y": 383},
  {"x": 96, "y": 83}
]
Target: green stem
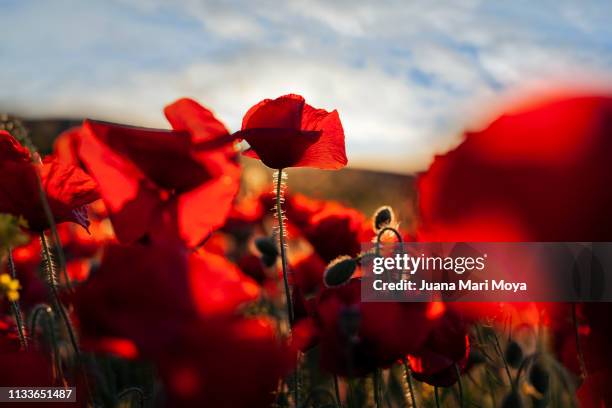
[
  {"x": 23, "y": 340},
  {"x": 281, "y": 238},
  {"x": 408, "y": 373},
  {"x": 437, "y": 397},
  {"x": 461, "y": 401},
  {"x": 376, "y": 381},
  {"x": 54, "y": 233}
]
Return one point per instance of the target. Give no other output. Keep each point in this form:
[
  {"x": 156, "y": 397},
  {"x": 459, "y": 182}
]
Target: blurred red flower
[
  {"x": 234, "y": 362},
  {"x": 167, "y": 183},
  {"x": 355, "y": 338},
  {"x": 67, "y": 187},
  {"x": 146, "y": 293},
  {"x": 331, "y": 228},
  {"x": 307, "y": 273},
  {"x": 540, "y": 173},
  {"x": 447, "y": 345},
  {"x": 287, "y": 132}
]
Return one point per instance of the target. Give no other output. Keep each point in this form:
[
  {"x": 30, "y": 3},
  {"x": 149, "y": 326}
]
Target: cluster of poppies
[{"x": 148, "y": 274}]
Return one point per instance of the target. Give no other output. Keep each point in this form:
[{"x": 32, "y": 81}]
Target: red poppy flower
[
  {"x": 169, "y": 183},
  {"x": 287, "y": 132},
  {"x": 180, "y": 286},
  {"x": 447, "y": 345},
  {"x": 225, "y": 363},
  {"x": 67, "y": 187},
  {"x": 331, "y": 228},
  {"x": 66, "y": 146},
  {"x": 355, "y": 338}
]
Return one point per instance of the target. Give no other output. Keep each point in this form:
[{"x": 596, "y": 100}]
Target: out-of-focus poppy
[
  {"x": 445, "y": 352},
  {"x": 179, "y": 286},
  {"x": 331, "y": 228},
  {"x": 287, "y": 132},
  {"x": 68, "y": 188},
  {"x": 233, "y": 362},
  {"x": 505, "y": 182},
  {"x": 169, "y": 183},
  {"x": 355, "y": 338}
]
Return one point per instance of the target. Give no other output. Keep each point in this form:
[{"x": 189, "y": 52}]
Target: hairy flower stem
[
  {"x": 283, "y": 254},
  {"x": 54, "y": 234},
  {"x": 408, "y": 374},
  {"x": 23, "y": 340},
  {"x": 52, "y": 283},
  {"x": 281, "y": 237},
  {"x": 583, "y": 370}
]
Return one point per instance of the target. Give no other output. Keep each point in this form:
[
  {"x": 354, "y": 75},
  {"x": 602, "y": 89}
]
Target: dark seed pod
[
  {"x": 512, "y": 400},
  {"x": 514, "y": 354},
  {"x": 383, "y": 217},
  {"x": 339, "y": 271},
  {"x": 268, "y": 260},
  {"x": 266, "y": 246},
  {"x": 539, "y": 378}
]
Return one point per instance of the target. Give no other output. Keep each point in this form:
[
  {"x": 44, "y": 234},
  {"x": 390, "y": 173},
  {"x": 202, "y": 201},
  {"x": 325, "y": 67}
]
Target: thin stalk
[
  {"x": 437, "y": 397},
  {"x": 461, "y": 401},
  {"x": 23, "y": 340},
  {"x": 337, "y": 391},
  {"x": 283, "y": 254},
  {"x": 376, "y": 381},
  {"x": 583, "y": 370},
  {"x": 410, "y": 382},
  {"x": 54, "y": 233},
  {"x": 281, "y": 238},
  {"x": 52, "y": 283},
  {"x": 501, "y": 354}
]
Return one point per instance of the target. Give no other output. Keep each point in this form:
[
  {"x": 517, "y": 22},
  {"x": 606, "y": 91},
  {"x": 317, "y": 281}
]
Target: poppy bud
[
  {"x": 383, "y": 217},
  {"x": 350, "y": 320},
  {"x": 267, "y": 247},
  {"x": 514, "y": 354},
  {"x": 539, "y": 378},
  {"x": 339, "y": 271},
  {"x": 512, "y": 400}
]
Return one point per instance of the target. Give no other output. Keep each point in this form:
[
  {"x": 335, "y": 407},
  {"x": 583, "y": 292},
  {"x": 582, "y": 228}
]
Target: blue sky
[{"x": 406, "y": 77}]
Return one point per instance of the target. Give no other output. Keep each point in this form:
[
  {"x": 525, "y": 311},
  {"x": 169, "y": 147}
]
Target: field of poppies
[{"x": 141, "y": 266}]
